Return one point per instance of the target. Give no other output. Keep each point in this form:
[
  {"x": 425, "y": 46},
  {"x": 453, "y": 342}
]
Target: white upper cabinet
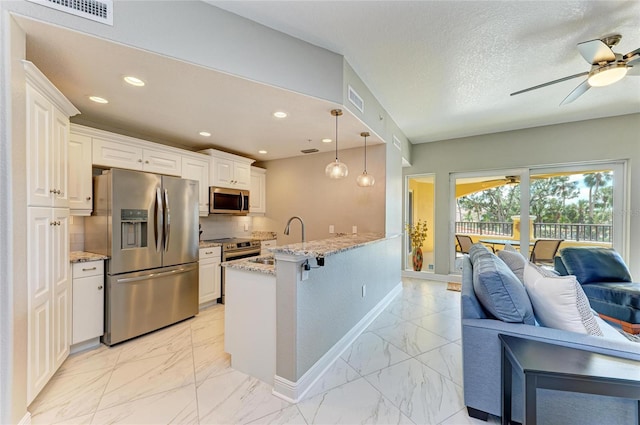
[
  {"x": 257, "y": 192},
  {"x": 118, "y": 151},
  {"x": 47, "y": 126},
  {"x": 80, "y": 180},
  {"x": 196, "y": 167},
  {"x": 228, "y": 170},
  {"x": 110, "y": 153}
]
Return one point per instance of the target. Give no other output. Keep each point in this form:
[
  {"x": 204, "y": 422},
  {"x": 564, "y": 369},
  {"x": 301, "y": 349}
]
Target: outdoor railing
[
  {"x": 573, "y": 232},
  {"x": 485, "y": 228},
  {"x": 569, "y": 232}
]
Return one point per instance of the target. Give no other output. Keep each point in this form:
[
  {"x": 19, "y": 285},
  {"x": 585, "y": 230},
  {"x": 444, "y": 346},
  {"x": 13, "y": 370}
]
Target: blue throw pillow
[
  {"x": 590, "y": 265},
  {"x": 499, "y": 290}
]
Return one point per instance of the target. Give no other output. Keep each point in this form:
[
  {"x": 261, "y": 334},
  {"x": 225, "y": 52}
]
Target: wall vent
[
  {"x": 312, "y": 150},
  {"x": 397, "y": 143},
  {"x": 356, "y": 99},
  {"x": 99, "y": 11}
]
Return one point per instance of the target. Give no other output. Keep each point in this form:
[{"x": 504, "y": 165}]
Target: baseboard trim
[
  {"x": 293, "y": 392},
  {"x": 26, "y": 419},
  {"x": 85, "y": 345},
  {"x": 432, "y": 276}
]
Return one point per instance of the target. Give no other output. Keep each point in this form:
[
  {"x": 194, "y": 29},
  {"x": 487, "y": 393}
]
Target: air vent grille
[
  {"x": 99, "y": 11},
  {"x": 397, "y": 143},
  {"x": 356, "y": 99},
  {"x": 313, "y": 150}
]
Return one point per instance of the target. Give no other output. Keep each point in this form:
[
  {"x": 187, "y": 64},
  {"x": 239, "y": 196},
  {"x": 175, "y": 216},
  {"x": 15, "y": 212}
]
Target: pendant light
[
  {"x": 336, "y": 169},
  {"x": 364, "y": 179}
]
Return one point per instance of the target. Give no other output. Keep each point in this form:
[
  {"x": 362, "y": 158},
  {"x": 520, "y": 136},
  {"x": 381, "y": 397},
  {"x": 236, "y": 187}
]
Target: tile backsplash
[
  {"x": 226, "y": 226},
  {"x": 76, "y": 233}
]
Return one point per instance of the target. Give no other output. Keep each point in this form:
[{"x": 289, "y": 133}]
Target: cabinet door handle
[
  {"x": 99, "y": 287},
  {"x": 210, "y": 252},
  {"x": 52, "y": 191},
  {"x": 87, "y": 270}
]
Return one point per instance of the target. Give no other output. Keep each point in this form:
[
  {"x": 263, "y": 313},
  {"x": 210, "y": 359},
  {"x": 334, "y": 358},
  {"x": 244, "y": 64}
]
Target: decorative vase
[{"x": 417, "y": 259}]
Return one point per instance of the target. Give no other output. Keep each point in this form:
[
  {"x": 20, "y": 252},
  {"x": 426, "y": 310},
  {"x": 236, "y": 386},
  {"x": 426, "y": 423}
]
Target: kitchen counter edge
[
  {"x": 331, "y": 246},
  {"x": 84, "y": 257}
]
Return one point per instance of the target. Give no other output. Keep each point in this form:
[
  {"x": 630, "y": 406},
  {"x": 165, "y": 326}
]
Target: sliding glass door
[{"x": 577, "y": 205}]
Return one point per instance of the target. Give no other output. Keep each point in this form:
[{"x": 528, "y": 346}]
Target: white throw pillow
[{"x": 559, "y": 302}]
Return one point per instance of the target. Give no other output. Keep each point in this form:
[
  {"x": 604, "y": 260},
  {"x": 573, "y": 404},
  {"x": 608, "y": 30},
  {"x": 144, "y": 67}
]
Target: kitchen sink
[{"x": 264, "y": 260}]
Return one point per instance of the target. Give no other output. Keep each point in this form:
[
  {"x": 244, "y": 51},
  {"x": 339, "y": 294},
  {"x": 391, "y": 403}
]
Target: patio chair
[
  {"x": 464, "y": 243},
  {"x": 544, "y": 250}
]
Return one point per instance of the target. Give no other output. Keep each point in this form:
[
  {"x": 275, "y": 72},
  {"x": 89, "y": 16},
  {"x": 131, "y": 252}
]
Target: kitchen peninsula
[{"x": 287, "y": 322}]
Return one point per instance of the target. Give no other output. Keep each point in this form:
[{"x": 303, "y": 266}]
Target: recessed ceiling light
[
  {"x": 134, "y": 81},
  {"x": 205, "y": 134},
  {"x": 280, "y": 114},
  {"x": 98, "y": 99},
  {"x": 327, "y": 140},
  {"x": 262, "y": 151}
]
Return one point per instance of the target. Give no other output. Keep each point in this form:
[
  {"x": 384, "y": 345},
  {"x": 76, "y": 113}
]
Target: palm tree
[{"x": 594, "y": 181}]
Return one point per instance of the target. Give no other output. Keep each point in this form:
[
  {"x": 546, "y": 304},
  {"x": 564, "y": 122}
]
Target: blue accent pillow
[
  {"x": 590, "y": 265},
  {"x": 499, "y": 290}
]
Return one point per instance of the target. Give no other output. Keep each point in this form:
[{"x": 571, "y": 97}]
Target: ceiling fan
[{"x": 607, "y": 67}]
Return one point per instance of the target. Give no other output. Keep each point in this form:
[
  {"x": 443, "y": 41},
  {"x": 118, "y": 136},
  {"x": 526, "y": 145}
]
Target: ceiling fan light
[{"x": 607, "y": 75}]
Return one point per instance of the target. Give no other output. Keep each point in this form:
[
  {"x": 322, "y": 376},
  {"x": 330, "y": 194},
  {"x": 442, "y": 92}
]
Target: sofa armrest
[{"x": 481, "y": 357}]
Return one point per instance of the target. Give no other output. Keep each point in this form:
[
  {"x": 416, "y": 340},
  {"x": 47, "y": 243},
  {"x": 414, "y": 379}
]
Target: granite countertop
[
  {"x": 83, "y": 257},
  {"x": 248, "y": 265},
  {"x": 326, "y": 247},
  {"x": 263, "y": 236},
  {"x": 209, "y": 244}
]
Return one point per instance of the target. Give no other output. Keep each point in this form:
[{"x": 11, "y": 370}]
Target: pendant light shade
[
  {"x": 364, "y": 179},
  {"x": 336, "y": 169}
]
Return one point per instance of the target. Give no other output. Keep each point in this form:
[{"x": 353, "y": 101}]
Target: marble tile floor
[{"x": 406, "y": 368}]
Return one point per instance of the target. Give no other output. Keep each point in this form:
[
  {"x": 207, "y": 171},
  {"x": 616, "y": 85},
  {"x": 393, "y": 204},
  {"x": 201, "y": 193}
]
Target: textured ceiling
[{"x": 445, "y": 69}]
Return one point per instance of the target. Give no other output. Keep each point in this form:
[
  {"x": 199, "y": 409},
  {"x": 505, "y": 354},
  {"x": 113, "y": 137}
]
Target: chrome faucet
[{"x": 286, "y": 229}]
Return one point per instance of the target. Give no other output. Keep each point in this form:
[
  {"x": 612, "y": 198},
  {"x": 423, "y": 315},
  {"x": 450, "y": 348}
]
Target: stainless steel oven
[{"x": 236, "y": 249}]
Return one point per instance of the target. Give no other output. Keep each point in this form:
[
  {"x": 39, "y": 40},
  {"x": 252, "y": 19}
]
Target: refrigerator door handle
[
  {"x": 167, "y": 220},
  {"x": 159, "y": 220},
  {"x": 149, "y": 276}
]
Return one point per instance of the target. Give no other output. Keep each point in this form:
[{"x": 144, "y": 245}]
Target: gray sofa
[{"x": 481, "y": 353}]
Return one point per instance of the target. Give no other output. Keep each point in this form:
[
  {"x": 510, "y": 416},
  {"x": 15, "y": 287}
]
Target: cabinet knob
[
  {"x": 58, "y": 223},
  {"x": 59, "y": 192},
  {"x": 99, "y": 287},
  {"x": 88, "y": 198},
  {"x": 52, "y": 191},
  {"x": 146, "y": 162},
  {"x": 53, "y": 223},
  {"x": 140, "y": 160}
]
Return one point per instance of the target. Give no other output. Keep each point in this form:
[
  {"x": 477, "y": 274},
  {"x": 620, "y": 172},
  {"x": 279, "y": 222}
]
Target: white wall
[
  {"x": 593, "y": 140},
  {"x": 298, "y": 186}
]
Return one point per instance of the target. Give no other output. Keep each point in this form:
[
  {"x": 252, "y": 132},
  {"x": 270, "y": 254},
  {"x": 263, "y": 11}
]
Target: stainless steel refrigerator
[{"x": 148, "y": 226}]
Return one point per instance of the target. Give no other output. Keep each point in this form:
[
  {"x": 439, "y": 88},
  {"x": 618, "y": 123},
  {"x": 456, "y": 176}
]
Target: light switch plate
[{"x": 331, "y": 229}]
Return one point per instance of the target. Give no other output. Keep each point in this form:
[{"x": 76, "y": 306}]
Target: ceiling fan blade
[
  {"x": 631, "y": 55},
  {"x": 576, "y": 93},
  {"x": 596, "y": 51},
  {"x": 582, "y": 74},
  {"x": 634, "y": 70}
]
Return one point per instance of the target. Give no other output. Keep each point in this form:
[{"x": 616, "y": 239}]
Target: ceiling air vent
[
  {"x": 99, "y": 11},
  {"x": 356, "y": 99},
  {"x": 313, "y": 150}
]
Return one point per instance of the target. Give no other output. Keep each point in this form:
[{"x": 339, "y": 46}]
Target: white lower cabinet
[
  {"x": 49, "y": 295},
  {"x": 209, "y": 274},
  {"x": 88, "y": 301}
]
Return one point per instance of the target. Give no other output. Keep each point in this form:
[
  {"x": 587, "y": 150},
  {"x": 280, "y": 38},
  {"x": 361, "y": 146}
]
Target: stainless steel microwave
[{"x": 223, "y": 200}]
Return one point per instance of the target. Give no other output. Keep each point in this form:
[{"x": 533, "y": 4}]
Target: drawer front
[
  {"x": 89, "y": 268},
  {"x": 213, "y": 253}
]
